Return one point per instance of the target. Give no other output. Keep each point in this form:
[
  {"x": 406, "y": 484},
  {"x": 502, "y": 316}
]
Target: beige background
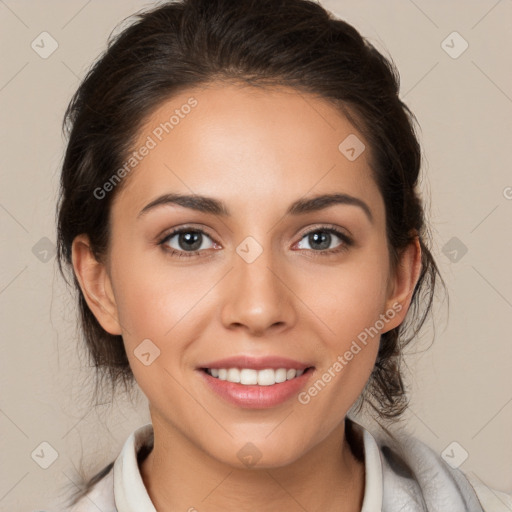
[{"x": 462, "y": 389}]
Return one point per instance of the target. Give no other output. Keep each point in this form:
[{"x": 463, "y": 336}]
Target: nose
[{"x": 258, "y": 297}]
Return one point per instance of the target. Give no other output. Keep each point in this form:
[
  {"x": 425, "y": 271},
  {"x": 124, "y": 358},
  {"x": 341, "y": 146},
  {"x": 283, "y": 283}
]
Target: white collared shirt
[{"x": 389, "y": 484}]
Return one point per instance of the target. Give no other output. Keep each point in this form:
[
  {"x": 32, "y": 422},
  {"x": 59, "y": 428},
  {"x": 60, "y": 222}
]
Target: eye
[
  {"x": 321, "y": 238},
  {"x": 188, "y": 241},
  {"x": 185, "y": 242}
]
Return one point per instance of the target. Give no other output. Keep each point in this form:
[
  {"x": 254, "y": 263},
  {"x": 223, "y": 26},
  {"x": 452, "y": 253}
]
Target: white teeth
[
  {"x": 233, "y": 375},
  {"x": 266, "y": 377},
  {"x": 250, "y": 377},
  {"x": 281, "y": 375}
]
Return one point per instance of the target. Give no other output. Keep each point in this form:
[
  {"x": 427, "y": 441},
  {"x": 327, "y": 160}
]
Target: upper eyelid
[
  {"x": 176, "y": 231},
  {"x": 328, "y": 227}
]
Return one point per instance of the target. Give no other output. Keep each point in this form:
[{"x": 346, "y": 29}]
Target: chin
[{"x": 259, "y": 454}]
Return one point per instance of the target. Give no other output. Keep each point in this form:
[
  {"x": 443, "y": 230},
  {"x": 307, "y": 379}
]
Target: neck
[{"x": 179, "y": 476}]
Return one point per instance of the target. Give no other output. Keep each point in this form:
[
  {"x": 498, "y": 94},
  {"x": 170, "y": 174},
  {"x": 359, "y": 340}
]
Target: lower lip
[{"x": 257, "y": 397}]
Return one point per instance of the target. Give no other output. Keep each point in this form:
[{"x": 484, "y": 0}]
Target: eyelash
[{"x": 346, "y": 241}]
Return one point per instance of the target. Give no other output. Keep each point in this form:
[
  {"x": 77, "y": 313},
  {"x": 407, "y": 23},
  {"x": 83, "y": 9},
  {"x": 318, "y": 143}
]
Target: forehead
[{"x": 239, "y": 142}]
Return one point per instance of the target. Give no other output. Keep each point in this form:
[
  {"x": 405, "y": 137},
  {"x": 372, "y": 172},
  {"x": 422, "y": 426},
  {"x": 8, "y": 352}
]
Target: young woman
[{"x": 240, "y": 214}]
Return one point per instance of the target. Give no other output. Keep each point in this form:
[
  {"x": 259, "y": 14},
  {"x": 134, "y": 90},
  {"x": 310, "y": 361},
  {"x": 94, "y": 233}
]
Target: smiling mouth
[{"x": 251, "y": 377}]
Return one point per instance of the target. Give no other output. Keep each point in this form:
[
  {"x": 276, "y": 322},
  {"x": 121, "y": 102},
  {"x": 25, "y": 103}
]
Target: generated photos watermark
[
  {"x": 342, "y": 360},
  {"x": 157, "y": 135}
]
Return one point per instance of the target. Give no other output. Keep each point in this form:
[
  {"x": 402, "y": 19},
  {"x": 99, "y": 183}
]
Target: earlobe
[
  {"x": 95, "y": 284},
  {"x": 403, "y": 282}
]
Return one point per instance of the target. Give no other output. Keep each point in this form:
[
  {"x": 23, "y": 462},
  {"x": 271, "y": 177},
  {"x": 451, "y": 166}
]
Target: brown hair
[{"x": 296, "y": 43}]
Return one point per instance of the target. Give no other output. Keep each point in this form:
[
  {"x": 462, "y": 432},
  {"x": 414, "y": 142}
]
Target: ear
[
  {"x": 95, "y": 284},
  {"x": 403, "y": 282}
]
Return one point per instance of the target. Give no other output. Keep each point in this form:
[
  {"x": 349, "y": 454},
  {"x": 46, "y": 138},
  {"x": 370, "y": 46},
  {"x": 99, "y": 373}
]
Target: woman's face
[{"x": 255, "y": 281}]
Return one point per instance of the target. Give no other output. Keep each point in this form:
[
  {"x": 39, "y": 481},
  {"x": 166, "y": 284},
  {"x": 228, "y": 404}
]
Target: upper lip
[{"x": 257, "y": 363}]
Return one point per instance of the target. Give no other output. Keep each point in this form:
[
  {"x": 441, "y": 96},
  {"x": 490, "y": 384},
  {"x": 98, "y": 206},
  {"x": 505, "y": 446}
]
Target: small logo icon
[
  {"x": 44, "y": 455},
  {"x": 249, "y": 454},
  {"x": 454, "y": 45},
  {"x": 454, "y": 249},
  {"x": 44, "y": 45},
  {"x": 146, "y": 352},
  {"x": 249, "y": 249},
  {"x": 351, "y": 147},
  {"x": 454, "y": 454},
  {"x": 44, "y": 250}
]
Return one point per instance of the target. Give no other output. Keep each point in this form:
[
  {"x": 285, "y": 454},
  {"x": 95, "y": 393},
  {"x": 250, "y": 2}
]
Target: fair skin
[{"x": 257, "y": 151}]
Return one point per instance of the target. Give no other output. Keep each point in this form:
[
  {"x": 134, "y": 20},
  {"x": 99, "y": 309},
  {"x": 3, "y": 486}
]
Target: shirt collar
[
  {"x": 129, "y": 491},
  {"x": 372, "y": 501},
  {"x": 131, "y": 494}
]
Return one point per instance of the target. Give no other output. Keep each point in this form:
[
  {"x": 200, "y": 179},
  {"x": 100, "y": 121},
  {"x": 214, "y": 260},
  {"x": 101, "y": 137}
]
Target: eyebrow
[{"x": 215, "y": 207}]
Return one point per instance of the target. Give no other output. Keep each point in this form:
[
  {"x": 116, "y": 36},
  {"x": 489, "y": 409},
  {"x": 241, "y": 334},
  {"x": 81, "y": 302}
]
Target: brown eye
[
  {"x": 320, "y": 240},
  {"x": 185, "y": 241}
]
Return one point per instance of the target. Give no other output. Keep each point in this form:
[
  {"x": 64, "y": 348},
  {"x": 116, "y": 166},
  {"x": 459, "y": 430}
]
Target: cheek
[
  {"x": 154, "y": 308},
  {"x": 350, "y": 296},
  {"x": 164, "y": 305},
  {"x": 349, "y": 300},
  {"x": 150, "y": 298}
]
